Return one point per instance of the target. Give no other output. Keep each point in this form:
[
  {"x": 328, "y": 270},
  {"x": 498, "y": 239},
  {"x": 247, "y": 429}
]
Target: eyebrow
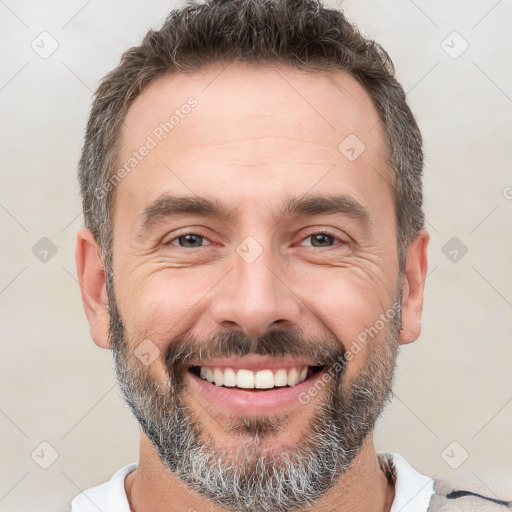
[
  {"x": 168, "y": 205},
  {"x": 327, "y": 205}
]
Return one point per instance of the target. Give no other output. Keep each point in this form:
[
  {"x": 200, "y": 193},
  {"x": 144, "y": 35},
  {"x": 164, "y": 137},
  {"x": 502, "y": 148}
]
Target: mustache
[{"x": 186, "y": 348}]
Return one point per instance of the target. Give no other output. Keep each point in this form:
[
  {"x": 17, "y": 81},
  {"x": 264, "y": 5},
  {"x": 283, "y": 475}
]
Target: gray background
[{"x": 454, "y": 383}]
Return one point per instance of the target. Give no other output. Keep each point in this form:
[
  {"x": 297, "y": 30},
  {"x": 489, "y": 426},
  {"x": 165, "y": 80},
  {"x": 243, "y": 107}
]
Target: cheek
[
  {"x": 159, "y": 303},
  {"x": 356, "y": 307}
]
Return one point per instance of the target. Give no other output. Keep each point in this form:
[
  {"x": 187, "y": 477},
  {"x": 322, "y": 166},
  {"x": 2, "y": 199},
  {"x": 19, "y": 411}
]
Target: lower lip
[{"x": 239, "y": 401}]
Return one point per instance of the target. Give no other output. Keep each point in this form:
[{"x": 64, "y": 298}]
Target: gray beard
[{"x": 250, "y": 478}]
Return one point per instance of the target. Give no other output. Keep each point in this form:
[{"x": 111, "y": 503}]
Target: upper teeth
[{"x": 262, "y": 379}]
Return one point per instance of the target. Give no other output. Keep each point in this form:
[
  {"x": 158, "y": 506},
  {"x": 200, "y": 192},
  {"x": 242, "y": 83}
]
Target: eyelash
[
  {"x": 195, "y": 233},
  {"x": 303, "y": 238},
  {"x": 328, "y": 232}
]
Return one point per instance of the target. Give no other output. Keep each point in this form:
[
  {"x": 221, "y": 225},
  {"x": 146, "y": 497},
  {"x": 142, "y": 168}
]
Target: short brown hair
[{"x": 298, "y": 33}]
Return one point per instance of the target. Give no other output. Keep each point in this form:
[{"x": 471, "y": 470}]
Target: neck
[{"x": 364, "y": 487}]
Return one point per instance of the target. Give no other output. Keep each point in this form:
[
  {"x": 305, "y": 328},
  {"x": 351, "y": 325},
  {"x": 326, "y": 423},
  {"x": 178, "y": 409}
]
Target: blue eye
[
  {"x": 189, "y": 241},
  {"x": 322, "y": 240}
]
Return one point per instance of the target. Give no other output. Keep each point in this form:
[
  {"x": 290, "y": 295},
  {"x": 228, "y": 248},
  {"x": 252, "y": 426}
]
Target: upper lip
[{"x": 255, "y": 362}]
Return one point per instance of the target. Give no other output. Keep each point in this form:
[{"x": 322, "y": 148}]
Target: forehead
[
  {"x": 259, "y": 127},
  {"x": 325, "y": 105}
]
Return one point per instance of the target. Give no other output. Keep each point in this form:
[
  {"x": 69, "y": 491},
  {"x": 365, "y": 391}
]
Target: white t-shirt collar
[{"x": 412, "y": 489}]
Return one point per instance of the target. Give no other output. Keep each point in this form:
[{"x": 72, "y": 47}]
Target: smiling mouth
[{"x": 262, "y": 379}]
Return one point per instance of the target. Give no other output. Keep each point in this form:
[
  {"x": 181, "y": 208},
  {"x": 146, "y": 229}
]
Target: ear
[
  {"x": 413, "y": 287},
  {"x": 91, "y": 276}
]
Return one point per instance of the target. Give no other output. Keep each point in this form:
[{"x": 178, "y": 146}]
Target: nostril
[
  {"x": 281, "y": 324},
  {"x": 232, "y": 325}
]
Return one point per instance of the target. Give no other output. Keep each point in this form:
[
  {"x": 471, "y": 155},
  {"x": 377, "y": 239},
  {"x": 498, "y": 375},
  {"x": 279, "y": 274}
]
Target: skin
[{"x": 256, "y": 137}]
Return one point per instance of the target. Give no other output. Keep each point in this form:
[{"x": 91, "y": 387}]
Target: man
[{"x": 255, "y": 254}]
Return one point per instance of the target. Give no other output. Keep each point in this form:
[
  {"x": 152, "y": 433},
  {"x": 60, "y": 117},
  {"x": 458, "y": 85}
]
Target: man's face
[{"x": 251, "y": 249}]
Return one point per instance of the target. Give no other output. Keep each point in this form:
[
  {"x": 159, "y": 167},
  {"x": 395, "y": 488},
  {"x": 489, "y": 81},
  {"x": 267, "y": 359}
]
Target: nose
[{"x": 254, "y": 298}]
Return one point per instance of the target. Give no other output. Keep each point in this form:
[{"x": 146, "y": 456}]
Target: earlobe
[
  {"x": 91, "y": 276},
  {"x": 413, "y": 288}
]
